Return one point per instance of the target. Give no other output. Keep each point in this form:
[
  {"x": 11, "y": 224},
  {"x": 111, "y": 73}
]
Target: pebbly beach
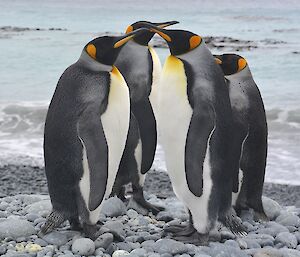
[{"x": 129, "y": 230}]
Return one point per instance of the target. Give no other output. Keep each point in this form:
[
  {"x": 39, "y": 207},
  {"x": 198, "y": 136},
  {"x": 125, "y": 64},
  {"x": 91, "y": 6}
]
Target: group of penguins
[{"x": 108, "y": 107}]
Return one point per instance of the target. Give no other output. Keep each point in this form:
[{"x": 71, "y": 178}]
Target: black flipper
[
  {"x": 201, "y": 126},
  {"x": 91, "y": 133},
  {"x": 147, "y": 124}
]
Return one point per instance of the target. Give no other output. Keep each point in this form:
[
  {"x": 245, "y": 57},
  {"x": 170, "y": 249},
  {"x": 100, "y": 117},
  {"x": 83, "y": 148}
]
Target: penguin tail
[
  {"x": 53, "y": 220},
  {"x": 234, "y": 224}
]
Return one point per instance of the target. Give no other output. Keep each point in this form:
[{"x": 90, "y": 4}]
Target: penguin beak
[
  {"x": 124, "y": 39},
  {"x": 158, "y": 30},
  {"x": 166, "y": 24},
  {"x": 241, "y": 64}
]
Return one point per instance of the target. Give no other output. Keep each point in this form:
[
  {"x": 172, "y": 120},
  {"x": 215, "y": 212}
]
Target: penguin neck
[
  {"x": 92, "y": 64},
  {"x": 242, "y": 75}
]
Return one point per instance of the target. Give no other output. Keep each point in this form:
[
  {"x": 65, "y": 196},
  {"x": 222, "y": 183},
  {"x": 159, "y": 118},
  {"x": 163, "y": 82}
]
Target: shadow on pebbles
[{"x": 131, "y": 231}]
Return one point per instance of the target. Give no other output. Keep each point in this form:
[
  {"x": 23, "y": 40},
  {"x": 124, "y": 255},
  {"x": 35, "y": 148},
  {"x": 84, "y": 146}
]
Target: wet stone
[
  {"x": 169, "y": 246},
  {"x": 288, "y": 219},
  {"x": 104, "y": 240},
  {"x": 287, "y": 239},
  {"x": 83, "y": 246},
  {"x": 113, "y": 207},
  {"x": 55, "y": 238}
]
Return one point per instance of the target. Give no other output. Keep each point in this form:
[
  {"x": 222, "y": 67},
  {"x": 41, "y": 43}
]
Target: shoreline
[{"x": 17, "y": 179}]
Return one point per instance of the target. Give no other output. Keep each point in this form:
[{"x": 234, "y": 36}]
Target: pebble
[
  {"x": 288, "y": 219},
  {"x": 139, "y": 252},
  {"x": 132, "y": 214},
  {"x": 287, "y": 239},
  {"x": 132, "y": 204},
  {"x": 289, "y": 252},
  {"x": 83, "y": 246},
  {"x": 169, "y": 246},
  {"x": 116, "y": 228},
  {"x": 113, "y": 207},
  {"x": 2, "y": 249},
  {"x": 120, "y": 253},
  {"x": 15, "y": 228},
  {"x": 42, "y": 208},
  {"x": 55, "y": 238},
  {"x": 271, "y": 208},
  {"x": 104, "y": 240}
]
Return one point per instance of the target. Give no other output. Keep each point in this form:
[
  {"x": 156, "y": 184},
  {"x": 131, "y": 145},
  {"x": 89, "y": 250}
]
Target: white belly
[
  {"x": 174, "y": 117},
  {"x": 115, "y": 122}
]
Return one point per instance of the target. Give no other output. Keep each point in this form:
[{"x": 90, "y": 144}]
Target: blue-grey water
[{"x": 31, "y": 62}]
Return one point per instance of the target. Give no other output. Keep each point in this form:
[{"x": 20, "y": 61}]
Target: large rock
[
  {"x": 42, "y": 208},
  {"x": 286, "y": 239},
  {"x": 169, "y": 246},
  {"x": 288, "y": 219},
  {"x": 16, "y": 228},
  {"x": 55, "y": 238},
  {"x": 271, "y": 208},
  {"x": 104, "y": 240},
  {"x": 113, "y": 207},
  {"x": 83, "y": 246}
]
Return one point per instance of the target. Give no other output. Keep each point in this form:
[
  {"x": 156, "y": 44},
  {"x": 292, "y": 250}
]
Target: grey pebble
[
  {"x": 288, "y": 219},
  {"x": 139, "y": 252},
  {"x": 287, "y": 239},
  {"x": 98, "y": 252},
  {"x": 42, "y": 208},
  {"x": 268, "y": 251},
  {"x": 132, "y": 214},
  {"x": 104, "y": 240},
  {"x": 271, "y": 208},
  {"x": 55, "y": 238},
  {"x": 289, "y": 252},
  {"x": 251, "y": 243},
  {"x": 154, "y": 255},
  {"x": 201, "y": 255},
  {"x": 232, "y": 243},
  {"x": 242, "y": 243},
  {"x": 3, "y": 206},
  {"x": 169, "y": 246},
  {"x": 225, "y": 235},
  {"x": 32, "y": 216},
  {"x": 166, "y": 255},
  {"x": 113, "y": 207},
  {"x": 2, "y": 249},
  {"x": 16, "y": 228},
  {"x": 83, "y": 246},
  {"x": 124, "y": 246}
]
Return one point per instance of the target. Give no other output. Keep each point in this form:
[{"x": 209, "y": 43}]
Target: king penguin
[
  {"x": 195, "y": 117},
  {"x": 85, "y": 133},
  {"x": 141, "y": 68},
  {"x": 251, "y": 127}
]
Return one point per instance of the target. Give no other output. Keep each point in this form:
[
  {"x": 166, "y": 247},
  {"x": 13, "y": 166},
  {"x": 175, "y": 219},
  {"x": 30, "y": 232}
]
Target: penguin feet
[
  {"x": 91, "y": 231},
  {"x": 193, "y": 238},
  {"x": 148, "y": 206},
  {"x": 232, "y": 222},
  {"x": 54, "y": 219},
  {"x": 173, "y": 229},
  {"x": 75, "y": 224}
]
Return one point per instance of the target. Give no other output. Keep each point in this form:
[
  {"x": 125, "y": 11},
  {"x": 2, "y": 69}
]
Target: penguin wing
[
  {"x": 147, "y": 125},
  {"x": 92, "y": 135},
  {"x": 201, "y": 128}
]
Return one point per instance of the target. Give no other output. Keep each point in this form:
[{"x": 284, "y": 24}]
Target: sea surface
[{"x": 40, "y": 39}]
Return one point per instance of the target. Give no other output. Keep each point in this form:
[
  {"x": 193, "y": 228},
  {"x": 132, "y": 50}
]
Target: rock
[
  {"x": 169, "y": 246},
  {"x": 15, "y": 228},
  {"x": 113, "y": 207},
  {"x": 104, "y": 240},
  {"x": 120, "y": 253},
  {"x": 220, "y": 250},
  {"x": 226, "y": 234},
  {"x": 288, "y": 219},
  {"x": 2, "y": 249},
  {"x": 164, "y": 216},
  {"x": 297, "y": 235},
  {"x": 42, "y": 208},
  {"x": 271, "y": 208},
  {"x": 232, "y": 243},
  {"x": 3, "y": 206},
  {"x": 289, "y": 252},
  {"x": 132, "y": 204},
  {"x": 83, "y": 246},
  {"x": 116, "y": 228},
  {"x": 124, "y": 246},
  {"x": 132, "y": 214},
  {"x": 201, "y": 255},
  {"x": 242, "y": 243},
  {"x": 154, "y": 255},
  {"x": 32, "y": 217},
  {"x": 272, "y": 228},
  {"x": 287, "y": 239},
  {"x": 251, "y": 243},
  {"x": 268, "y": 252},
  {"x": 55, "y": 238},
  {"x": 33, "y": 248},
  {"x": 139, "y": 252}
]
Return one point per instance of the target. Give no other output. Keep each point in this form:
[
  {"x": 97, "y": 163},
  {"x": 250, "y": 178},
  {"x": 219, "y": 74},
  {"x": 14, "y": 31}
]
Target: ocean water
[{"x": 32, "y": 60}]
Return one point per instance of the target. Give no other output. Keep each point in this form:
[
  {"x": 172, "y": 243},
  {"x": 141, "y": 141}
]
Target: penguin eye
[
  {"x": 195, "y": 41},
  {"x": 91, "y": 50},
  {"x": 241, "y": 64}
]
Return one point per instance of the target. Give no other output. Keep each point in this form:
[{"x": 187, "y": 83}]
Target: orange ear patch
[
  {"x": 242, "y": 64},
  {"x": 91, "y": 50},
  {"x": 218, "y": 61},
  {"x": 129, "y": 29},
  {"x": 195, "y": 41}
]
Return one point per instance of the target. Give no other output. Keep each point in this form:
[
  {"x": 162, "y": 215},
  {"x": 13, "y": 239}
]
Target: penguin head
[
  {"x": 230, "y": 63},
  {"x": 105, "y": 49},
  {"x": 146, "y": 36},
  {"x": 179, "y": 41}
]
